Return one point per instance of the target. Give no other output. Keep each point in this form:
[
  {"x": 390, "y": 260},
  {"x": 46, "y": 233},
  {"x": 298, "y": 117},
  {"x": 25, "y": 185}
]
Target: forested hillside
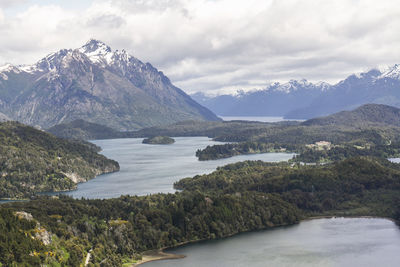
[
  {"x": 33, "y": 161},
  {"x": 235, "y": 198}
]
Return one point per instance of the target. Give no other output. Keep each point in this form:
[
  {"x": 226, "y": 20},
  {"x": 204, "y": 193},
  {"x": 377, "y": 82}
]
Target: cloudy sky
[{"x": 214, "y": 45}]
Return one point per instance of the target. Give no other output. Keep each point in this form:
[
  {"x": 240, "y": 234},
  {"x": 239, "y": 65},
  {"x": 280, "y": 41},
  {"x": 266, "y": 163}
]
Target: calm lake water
[
  {"x": 147, "y": 169},
  {"x": 394, "y": 160},
  {"x": 253, "y": 118},
  {"x": 322, "y": 242}
]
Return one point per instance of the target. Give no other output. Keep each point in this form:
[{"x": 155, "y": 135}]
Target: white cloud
[{"x": 218, "y": 44}]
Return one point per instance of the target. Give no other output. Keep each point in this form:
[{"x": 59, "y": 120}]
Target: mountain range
[
  {"x": 98, "y": 85},
  {"x": 305, "y": 100}
]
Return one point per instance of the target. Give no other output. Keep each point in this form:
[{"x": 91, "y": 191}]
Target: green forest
[
  {"x": 33, "y": 161},
  {"x": 236, "y": 198},
  {"x": 350, "y": 177}
]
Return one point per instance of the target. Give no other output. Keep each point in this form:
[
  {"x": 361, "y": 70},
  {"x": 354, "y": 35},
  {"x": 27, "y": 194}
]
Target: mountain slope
[
  {"x": 304, "y": 100},
  {"x": 33, "y": 161},
  {"x": 374, "y": 86},
  {"x": 96, "y": 84},
  {"x": 366, "y": 115},
  {"x": 83, "y": 130},
  {"x": 3, "y": 117}
]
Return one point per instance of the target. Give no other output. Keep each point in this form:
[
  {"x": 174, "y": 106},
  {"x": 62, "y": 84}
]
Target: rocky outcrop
[{"x": 39, "y": 233}]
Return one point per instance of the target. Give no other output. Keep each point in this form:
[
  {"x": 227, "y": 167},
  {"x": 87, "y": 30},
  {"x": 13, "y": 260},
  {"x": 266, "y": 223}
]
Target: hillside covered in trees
[
  {"x": 33, "y": 161},
  {"x": 235, "y": 198},
  {"x": 368, "y": 130}
]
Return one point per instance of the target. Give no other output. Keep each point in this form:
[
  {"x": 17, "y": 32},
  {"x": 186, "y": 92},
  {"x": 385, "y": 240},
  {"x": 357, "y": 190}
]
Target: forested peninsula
[
  {"x": 236, "y": 198},
  {"x": 356, "y": 179},
  {"x": 33, "y": 161}
]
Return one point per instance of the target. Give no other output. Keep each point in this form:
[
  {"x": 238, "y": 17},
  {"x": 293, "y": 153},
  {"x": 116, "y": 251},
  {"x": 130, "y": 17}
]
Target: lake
[
  {"x": 394, "y": 160},
  {"x": 321, "y": 242},
  {"x": 148, "y": 169},
  {"x": 255, "y": 118}
]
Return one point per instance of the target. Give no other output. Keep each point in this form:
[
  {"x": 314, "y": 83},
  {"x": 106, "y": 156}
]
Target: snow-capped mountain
[
  {"x": 392, "y": 72},
  {"x": 97, "y": 84},
  {"x": 374, "y": 86},
  {"x": 275, "y": 100},
  {"x": 304, "y": 100}
]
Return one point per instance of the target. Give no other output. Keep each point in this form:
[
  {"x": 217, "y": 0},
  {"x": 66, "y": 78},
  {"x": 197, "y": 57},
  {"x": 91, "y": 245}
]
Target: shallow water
[
  {"x": 147, "y": 169},
  {"x": 320, "y": 242}
]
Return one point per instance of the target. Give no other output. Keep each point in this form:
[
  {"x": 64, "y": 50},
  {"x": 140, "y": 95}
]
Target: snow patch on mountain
[
  {"x": 97, "y": 52},
  {"x": 9, "y": 68},
  {"x": 29, "y": 68},
  {"x": 392, "y": 72}
]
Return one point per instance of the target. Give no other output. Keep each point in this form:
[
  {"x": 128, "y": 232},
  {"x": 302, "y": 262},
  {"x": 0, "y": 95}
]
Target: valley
[{"x": 199, "y": 133}]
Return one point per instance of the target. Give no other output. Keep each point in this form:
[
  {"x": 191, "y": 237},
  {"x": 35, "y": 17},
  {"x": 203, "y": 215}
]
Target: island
[
  {"x": 159, "y": 140},
  {"x": 349, "y": 176}
]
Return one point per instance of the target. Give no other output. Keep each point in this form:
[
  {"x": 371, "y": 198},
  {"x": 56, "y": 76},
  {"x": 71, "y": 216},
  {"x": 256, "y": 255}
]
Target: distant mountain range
[
  {"x": 304, "y": 100},
  {"x": 96, "y": 84}
]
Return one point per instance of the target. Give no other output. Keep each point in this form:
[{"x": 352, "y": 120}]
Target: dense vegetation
[
  {"x": 233, "y": 149},
  {"x": 160, "y": 140},
  {"x": 17, "y": 242},
  {"x": 84, "y": 130},
  {"x": 235, "y": 198},
  {"x": 356, "y": 186},
  {"x": 357, "y": 138},
  {"x": 118, "y": 229},
  {"x": 238, "y": 197},
  {"x": 33, "y": 161},
  {"x": 340, "y": 152},
  {"x": 364, "y": 116}
]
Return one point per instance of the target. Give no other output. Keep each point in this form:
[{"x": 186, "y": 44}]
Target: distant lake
[
  {"x": 394, "y": 160},
  {"x": 254, "y": 118},
  {"x": 148, "y": 169},
  {"x": 344, "y": 242}
]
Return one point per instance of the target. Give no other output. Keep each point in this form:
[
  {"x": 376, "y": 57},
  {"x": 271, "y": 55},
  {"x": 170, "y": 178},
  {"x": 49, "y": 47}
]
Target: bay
[
  {"x": 344, "y": 242},
  {"x": 148, "y": 169}
]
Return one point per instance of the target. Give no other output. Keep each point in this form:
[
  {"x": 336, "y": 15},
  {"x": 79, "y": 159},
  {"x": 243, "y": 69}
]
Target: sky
[{"x": 214, "y": 46}]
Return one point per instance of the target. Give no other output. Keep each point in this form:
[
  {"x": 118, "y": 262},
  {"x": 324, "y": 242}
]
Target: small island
[{"x": 159, "y": 140}]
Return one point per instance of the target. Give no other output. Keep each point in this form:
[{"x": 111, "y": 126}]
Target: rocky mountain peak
[
  {"x": 97, "y": 84},
  {"x": 97, "y": 52},
  {"x": 95, "y": 46},
  {"x": 392, "y": 72}
]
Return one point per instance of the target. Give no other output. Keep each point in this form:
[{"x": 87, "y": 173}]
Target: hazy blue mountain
[
  {"x": 275, "y": 100},
  {"x": 304, "y": 100},
  {"x": 374, "y": 86},
  {"x": 96, "y": 84},
  {"x": 366, "y": 115}
]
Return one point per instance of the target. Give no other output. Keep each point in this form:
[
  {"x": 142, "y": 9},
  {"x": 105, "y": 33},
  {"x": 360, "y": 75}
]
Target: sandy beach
[{"x": 156, "y": 255}]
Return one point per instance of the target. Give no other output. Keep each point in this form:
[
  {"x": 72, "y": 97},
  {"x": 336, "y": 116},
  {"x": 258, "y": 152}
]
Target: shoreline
[
  {"x": 160, "y": 254},
  {"x": 350, "y": 217},
  {"x": 156, "y": 255}
]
